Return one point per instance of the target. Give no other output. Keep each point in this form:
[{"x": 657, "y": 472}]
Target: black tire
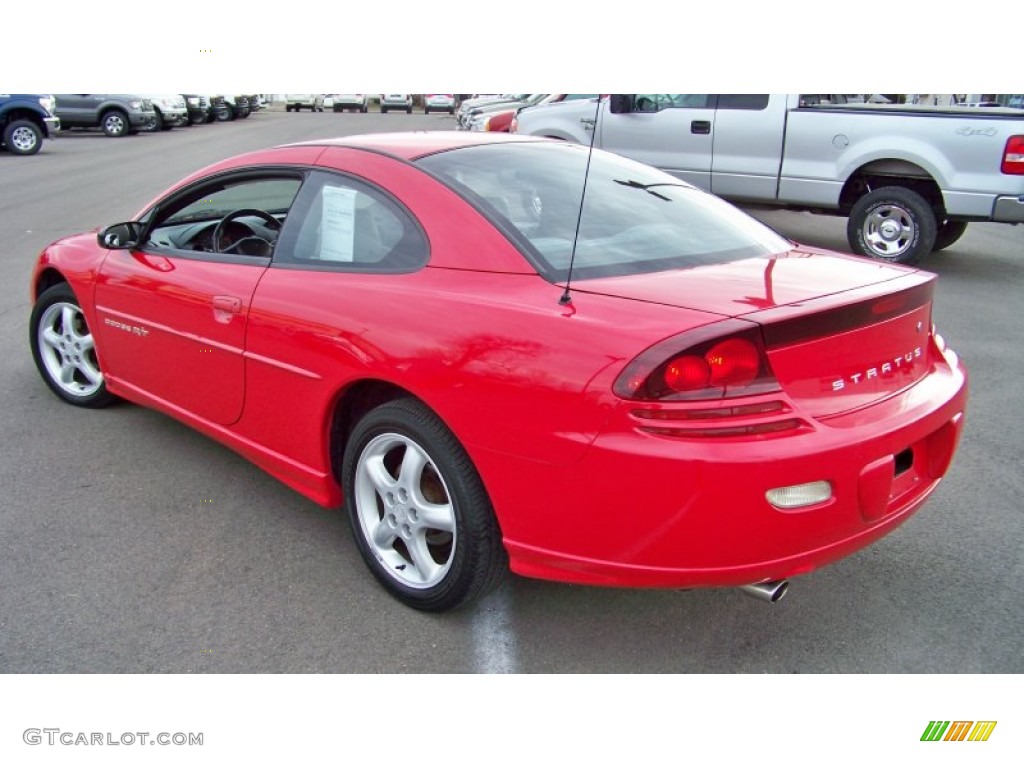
[
  {"x": 22, "y": 137},
  {"x": 115, "y": 123},
  {"x": 892, "y": 224},
  {"x": 225, "y": 114},
  {"x": 65, "y": 348},
  {"x": 438, "y": 570},
  {"x": 949, "y": 232}
]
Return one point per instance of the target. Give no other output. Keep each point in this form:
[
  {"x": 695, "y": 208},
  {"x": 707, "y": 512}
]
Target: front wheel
[
  {"x": 115, "y": 124},
  {"x": 23, "y": 137},
  {"x": 64, "y": 349},
  {"x": 892, "y": 224},
  {"x": 418, "y": 509}
]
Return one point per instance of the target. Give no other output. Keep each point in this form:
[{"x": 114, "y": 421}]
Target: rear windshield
[{"x": 635, "y": 219}]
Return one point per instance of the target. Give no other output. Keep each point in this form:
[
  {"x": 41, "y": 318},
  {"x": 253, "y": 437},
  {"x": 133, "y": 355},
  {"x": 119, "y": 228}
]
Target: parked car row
[
  {"x": 27, "y": 119},
  {"x": 359, "y": 102}
]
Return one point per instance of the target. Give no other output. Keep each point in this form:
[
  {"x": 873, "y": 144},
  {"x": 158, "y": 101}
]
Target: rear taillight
[
  {"x": 721, "y": 360},
  {"x": 1013, "y": 156}
]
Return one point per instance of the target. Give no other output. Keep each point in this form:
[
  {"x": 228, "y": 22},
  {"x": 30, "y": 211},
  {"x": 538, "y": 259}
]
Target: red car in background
[
  {"x": 650, "y": 389},
  {"x": 502, "y": 121}
]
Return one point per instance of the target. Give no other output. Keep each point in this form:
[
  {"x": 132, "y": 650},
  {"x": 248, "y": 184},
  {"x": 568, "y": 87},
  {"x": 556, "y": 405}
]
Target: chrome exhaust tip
[{"x": 769, "y": 591}]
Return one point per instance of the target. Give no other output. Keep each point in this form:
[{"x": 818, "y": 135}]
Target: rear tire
[
  {"x": 418, "y": 509},
  {"x": 892, "y": 224}
]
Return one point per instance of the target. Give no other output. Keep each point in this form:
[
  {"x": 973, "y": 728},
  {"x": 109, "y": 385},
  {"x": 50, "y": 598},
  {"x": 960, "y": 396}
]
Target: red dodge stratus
[{"x": 499, "y": 352}]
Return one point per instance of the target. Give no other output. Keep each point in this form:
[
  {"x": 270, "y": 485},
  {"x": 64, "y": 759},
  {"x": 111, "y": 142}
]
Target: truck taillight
[
  {"x": 1013, "y": 157},
  {"x": 721, "y": 360}
]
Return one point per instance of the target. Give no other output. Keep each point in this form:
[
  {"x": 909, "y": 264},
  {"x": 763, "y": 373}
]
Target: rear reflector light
[
  {"x": 725, "y": 359},
  {"x": 796, "y": 496},
  {"x": 1013, "y": 157}
]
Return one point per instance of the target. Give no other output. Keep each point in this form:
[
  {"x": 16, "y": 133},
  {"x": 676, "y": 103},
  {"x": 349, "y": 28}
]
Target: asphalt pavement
[{"x": 129, "y": 543}]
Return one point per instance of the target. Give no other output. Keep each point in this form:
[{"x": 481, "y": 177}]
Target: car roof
[{"x": 412, "y": 145}]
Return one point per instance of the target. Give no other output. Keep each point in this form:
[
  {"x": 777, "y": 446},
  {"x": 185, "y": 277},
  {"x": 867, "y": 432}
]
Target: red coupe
[{"x": 503, "y": 352}]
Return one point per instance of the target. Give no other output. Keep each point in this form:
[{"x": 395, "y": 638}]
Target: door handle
[
  {"x": 228, "y": 303},
  {"x": 700, "y": 126}
]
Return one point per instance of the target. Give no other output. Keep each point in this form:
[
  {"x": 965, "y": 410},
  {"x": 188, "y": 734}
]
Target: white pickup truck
[{"x": 909, "y": 179}]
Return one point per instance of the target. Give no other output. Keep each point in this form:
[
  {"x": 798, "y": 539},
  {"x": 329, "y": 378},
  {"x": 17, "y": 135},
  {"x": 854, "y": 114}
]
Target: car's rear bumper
[{"x": 642, "y": 510}]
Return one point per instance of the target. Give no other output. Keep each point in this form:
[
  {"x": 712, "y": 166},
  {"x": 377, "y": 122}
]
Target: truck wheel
[
  {"x": 892, "y": 224},
  {"x": 949, "y": 232},
  {"x": 23, "y": 137},
  {"x": 158, "y": 122},
  {"x": 115, "y": 123}
]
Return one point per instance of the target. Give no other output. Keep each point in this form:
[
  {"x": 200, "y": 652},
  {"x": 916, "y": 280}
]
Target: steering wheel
[{"x": 219, "y": 229}]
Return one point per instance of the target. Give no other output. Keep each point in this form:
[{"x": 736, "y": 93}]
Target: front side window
[
  {"x": 635, "y": 218},
  {"x": 655, "y": 102},
  {"x": 238, "y": 215}
]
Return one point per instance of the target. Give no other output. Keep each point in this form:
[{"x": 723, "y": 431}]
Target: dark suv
[
  {"x": 118, "y": 114},
  {"x": 25, "y": 119}
]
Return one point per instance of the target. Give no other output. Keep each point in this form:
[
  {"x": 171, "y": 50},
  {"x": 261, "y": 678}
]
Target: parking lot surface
[{"x": 130, "y": 543}]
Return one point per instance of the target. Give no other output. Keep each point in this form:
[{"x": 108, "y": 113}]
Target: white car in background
[
  {"x": 389, "y": 101},
  {"x": 439, "y": 102},
  {"x": 314, "y": 102},
  {"x": 343, "y": 102}
]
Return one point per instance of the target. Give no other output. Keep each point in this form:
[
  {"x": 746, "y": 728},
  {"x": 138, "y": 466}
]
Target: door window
[{"x": 233, "y": 216}]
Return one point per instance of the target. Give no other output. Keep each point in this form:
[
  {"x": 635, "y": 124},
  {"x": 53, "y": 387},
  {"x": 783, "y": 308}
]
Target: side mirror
[
  {"x": 621, "y": 103},
  {"x": 120, "y": 237}
]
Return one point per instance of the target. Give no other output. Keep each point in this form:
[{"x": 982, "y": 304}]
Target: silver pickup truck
[{"x": 909, "y": 179}]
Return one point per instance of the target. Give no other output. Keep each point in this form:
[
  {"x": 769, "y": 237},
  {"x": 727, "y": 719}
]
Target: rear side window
[
  {"x": 341, "y": 223},
  {"x": 753, "y": 101}
]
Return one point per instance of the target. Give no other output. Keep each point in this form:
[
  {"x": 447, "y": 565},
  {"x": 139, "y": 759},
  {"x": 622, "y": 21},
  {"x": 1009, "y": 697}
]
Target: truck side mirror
[
  {"x": 621, "y": 103},
  {"x": 120, "y": 237}
]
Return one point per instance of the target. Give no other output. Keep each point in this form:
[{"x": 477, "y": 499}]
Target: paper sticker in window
[{"x": 338, "y": 224}]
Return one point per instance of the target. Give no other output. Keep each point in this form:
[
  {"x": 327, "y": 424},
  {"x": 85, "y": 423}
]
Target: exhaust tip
[{"x": 768, "y": 591}]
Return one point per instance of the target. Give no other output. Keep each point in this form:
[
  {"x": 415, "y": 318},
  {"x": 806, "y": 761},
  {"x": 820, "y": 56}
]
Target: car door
[
  {"x": 671, "y": 131},
  {"x": 348, "y": 244},
  {"x": 78, "y": 108},
  {"x": 173, "y": 312}
]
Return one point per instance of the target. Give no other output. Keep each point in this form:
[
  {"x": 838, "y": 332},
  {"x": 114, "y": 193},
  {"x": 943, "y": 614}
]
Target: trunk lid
[{"x": 840, "y": 332}]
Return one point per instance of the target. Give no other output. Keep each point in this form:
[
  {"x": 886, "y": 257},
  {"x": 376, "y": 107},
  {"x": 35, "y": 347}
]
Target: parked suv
[
  {"x": 200, "y": 110},
  {"x": 439, "y": 102},
  {"x": 25, "y": 120},
  {"x": 396, "y": 101},
  {"x": 118, "y": 114},
  {"x": 342, "y": 102},
  {"x": 314, "y": 102},
  {"x": 170, "y": 110}
]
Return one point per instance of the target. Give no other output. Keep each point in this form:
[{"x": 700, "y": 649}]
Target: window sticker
[{"x": 337, "y": 235}]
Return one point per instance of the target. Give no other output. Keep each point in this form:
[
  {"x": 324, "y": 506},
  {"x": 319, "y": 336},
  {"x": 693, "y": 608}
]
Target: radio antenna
[{"x": 566, "y": 297}]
